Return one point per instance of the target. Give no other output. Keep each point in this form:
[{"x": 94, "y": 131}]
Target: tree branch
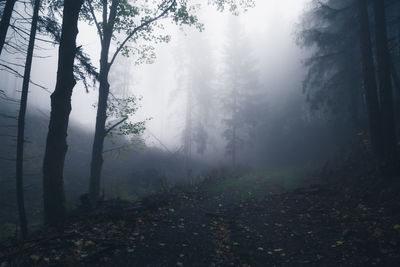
[
  {"x": 105, "y": 9},
  {"x": 140, "y": 27},
  {"x": 115, "y": 125},
  {"x": 95, "y": 21},
  {"x": 20, "y": 75}
]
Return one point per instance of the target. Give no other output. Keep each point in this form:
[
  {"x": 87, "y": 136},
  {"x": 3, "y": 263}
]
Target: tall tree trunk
[
  {"x": 56, "y": 144},
  {"x": 101, "y": 118},
  {"x": 187, "y": 148},
  {"x": 371, "y": 94},
  {"x": 21, "y": 122},
  {"x": 385, "y": 86},
  {"x": 5, "y": 22},
  {"x": 100, "y": 133},
  {"x": 234, "y": 128},
  {"x": 104, "y": 90}
]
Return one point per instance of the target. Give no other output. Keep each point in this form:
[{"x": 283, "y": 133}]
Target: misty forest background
[{"x": 291, "y": 91}]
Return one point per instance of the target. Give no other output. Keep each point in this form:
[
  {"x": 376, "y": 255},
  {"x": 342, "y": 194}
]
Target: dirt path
[{"x": 320, "y": 226}]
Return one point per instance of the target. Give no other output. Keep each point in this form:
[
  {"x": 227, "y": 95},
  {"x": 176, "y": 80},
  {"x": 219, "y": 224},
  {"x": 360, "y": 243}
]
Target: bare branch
[
  {"x": 17, "y": 29},
  {"x": 20, "y": 75},
  {"x": 7, "y": 116},
  {"x": 95, "y": 21}
]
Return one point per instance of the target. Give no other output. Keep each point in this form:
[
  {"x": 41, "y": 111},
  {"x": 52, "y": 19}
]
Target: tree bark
[
  {"x": 56, "y": 144},
  {"x": 5, "y": 22},
  {"x": 104, "y": 90},
  {"x": 101, "y": 118},
  {"x": 100, "y": 133},
  {"x": 370, "y": 88},
  {"x": 21, "y": 122},
  {"x": 385, "y": 86}
]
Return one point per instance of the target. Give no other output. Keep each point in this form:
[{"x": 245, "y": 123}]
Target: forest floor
[{"x": 340, "y": 224}]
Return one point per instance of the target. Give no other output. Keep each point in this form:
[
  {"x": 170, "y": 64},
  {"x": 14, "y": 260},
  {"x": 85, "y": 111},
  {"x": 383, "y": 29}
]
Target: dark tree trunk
[
  {"x": 371, "y": 94},
  {"x": 101, "y": 118},
  {"x": 56, "y": 144},
  {"x": 21, "y": 122},
  {"x": 385, "y": 86},
  {"x": 104, "y": 89},
  {"x": 100, "y": 134},
  {"x": 5, "y": 22}
]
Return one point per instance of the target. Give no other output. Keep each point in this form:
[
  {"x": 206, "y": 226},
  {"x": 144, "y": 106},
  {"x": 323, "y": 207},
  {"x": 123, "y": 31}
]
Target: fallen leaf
[
  {"x": 89, "y": 243},
  {"x": 378, "y": 232},
  {"x": 35, "y": 257}
]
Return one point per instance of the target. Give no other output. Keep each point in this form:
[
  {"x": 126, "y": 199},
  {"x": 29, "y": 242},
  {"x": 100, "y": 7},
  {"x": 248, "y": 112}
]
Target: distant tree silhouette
[
  {"x": 239, "y": 99},
  {"x": 384, "y": 70}
]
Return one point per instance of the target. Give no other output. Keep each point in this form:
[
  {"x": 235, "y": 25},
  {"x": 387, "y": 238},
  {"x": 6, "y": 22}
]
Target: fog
[
  {"x": 212, "y": 133},
  {"x": 268, "y": 29},
  {"x": 227, "y": 96}
]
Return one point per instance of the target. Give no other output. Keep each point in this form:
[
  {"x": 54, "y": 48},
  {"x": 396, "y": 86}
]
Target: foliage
[
  {"x": 136, "y": 27},
  {"x": 49, "y": 24},
  {"x": 234, "y": 6},
  {"x": 122, "y": 110},
  {"x": 333, "y": 81}
]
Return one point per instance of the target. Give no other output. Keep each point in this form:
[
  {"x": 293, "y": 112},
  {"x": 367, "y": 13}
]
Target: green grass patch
[{"x": 259, "y": 184}]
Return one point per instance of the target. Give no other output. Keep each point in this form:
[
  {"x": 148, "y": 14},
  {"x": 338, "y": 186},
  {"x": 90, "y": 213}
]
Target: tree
[
  {"x": 384, "y": 68},
  {"x": 119, "y": 16},
  {"x": 195, "y": 75},
  {"x": 21, "y": 121},
  {"x": 371, "y": 94},
  {"x": 5, "y": 21},
  {"x": 56, "y": 144},
  {"x": 333, "y": 81},
  {"x": 239, "y": 100},
  {"x": 131, "y": 23},
  {"x": 337, "y": 71}
]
